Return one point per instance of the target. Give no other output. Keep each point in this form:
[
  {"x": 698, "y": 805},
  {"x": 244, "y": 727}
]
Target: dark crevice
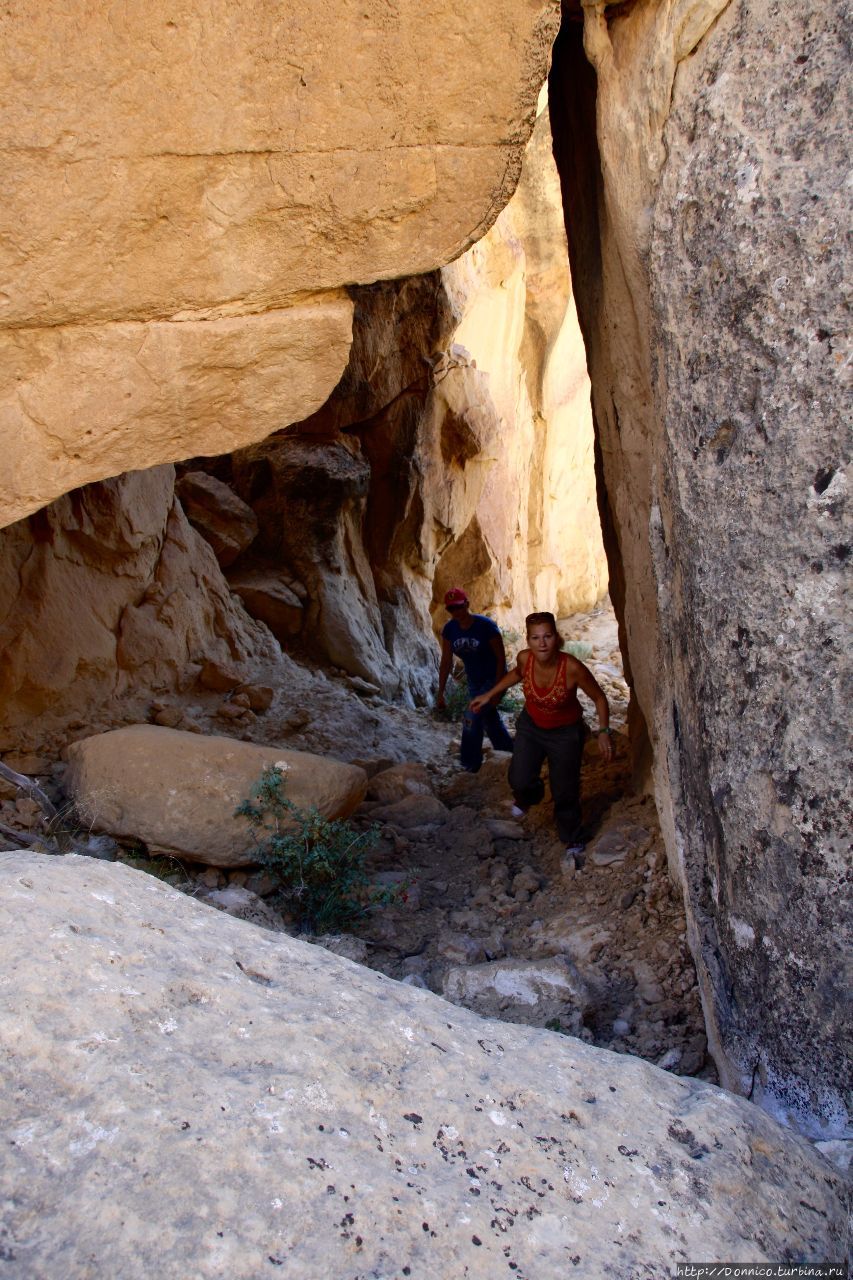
[{"x": 572, "y": 91}]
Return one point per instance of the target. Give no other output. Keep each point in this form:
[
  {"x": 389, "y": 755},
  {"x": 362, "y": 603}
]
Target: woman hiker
[
  {"x": 551, "y": 726},
  {"x": 478, "y": 642}
]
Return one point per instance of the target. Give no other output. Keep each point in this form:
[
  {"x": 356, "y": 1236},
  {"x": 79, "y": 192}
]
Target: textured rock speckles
[
  {"x": 749, "y": 311},
  {"x": 709, "y": 270},
  {"x": 258, "y": 1099}
]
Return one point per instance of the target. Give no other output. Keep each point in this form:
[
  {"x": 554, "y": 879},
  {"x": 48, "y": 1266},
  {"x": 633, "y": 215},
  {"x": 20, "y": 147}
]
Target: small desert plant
[
  {"x": 456, "y": 698},
  {"x": 317, "y": 863}
]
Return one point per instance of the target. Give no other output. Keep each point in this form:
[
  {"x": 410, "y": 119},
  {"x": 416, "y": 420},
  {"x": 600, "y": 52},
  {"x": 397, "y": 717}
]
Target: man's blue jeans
[{"x": 473, "y": 727}]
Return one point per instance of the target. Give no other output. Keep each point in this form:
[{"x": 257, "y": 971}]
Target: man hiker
[{"x": 478, "y": 642}]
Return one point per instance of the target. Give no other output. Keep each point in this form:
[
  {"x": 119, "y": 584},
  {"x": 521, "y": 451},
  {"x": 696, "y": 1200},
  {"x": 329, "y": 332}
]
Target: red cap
[{"x": 455, "y": 596}]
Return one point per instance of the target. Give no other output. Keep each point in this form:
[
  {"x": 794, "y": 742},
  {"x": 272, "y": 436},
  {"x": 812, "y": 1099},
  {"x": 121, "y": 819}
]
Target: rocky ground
[{"x": 489, "y": 912}]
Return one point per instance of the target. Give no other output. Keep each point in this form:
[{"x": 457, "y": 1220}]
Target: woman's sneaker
[
  {"x": 574, "y": 858},
  {"x": 518, "y": 812}
]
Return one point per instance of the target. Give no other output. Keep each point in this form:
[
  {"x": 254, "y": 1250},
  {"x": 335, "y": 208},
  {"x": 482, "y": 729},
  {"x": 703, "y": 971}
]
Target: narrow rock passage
[{"x": 497, "y": 918}]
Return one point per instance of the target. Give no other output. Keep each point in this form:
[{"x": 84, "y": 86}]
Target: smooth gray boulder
[{"x": 183, "y": 1094}]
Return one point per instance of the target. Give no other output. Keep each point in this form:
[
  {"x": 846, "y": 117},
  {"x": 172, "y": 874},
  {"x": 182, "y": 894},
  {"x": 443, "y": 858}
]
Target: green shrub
[{"x": 318, "y": 864}]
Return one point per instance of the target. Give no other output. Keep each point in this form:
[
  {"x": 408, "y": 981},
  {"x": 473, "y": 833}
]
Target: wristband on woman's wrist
[{"x": 605, "y": 728}]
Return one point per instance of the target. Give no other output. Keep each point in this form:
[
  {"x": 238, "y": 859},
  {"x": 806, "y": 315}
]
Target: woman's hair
[{"x": 543, "y": 619}]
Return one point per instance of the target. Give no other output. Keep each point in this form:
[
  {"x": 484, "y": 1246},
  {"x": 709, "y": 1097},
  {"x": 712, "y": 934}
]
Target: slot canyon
[{"x": 310, "y": 314}]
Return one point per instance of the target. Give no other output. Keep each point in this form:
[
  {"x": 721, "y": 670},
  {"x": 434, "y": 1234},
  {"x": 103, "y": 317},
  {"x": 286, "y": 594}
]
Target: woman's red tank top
[{"x": 555, "y": 706}]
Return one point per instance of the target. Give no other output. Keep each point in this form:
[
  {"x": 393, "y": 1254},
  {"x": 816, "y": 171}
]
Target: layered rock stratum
[{"x": 192, "y": 1095}]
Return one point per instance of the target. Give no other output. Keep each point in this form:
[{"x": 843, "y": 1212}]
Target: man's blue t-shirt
[{"x": 473, "y": 647}]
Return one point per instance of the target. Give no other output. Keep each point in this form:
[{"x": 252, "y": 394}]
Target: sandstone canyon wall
[
  {"x": 705, "y": 230},
  {"x": 534, "y": 536},
  {"x": 188, "y": 192},
  {"x": 457, "y": 447}
]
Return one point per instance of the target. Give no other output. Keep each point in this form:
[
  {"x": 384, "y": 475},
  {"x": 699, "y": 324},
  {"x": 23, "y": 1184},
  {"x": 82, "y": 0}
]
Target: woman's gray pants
[{"x": 563, "y": 749}]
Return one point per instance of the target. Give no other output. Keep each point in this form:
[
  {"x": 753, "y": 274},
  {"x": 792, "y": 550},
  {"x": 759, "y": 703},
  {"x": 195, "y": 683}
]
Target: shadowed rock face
[
  {"x": 107, "y": 594},
  {"x": 708, "y": 278},
  {"x": 268, "y": 1104}
]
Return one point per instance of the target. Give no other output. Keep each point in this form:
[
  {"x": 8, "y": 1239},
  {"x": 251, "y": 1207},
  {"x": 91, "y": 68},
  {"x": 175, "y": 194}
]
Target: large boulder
[
  {"x": 224, "y": 520},
  {"x": 183, "y": 1094},
  {"x": 178, "y": 791}
]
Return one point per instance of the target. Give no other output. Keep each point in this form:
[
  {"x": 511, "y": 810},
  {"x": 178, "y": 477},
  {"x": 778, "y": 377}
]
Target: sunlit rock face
[
  {"x": 706, "y": 252},
  {"x": 187, "y": 192},
  {"x": 533, "y": 537}
]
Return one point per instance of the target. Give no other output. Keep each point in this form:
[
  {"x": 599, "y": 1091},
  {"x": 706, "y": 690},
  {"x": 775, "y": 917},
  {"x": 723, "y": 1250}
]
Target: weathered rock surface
[
  {"x": 707, "y": 260},
  {"x": 241, "y": 903},
  {"x": 271, "y": 1106},
  {"x": 178, "y": 791},
  {"x": 401, "y": 780},
  {"x": 271, "y": 600},
  {"x": 151, "y": 391},
  {"x": 534, "y": 992},
  {"x": 309, "y": 496},
  {"x": 181, "y": 295},
  {"x": 414, "y": 810},
  {"x": 223, "y": 519}
]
